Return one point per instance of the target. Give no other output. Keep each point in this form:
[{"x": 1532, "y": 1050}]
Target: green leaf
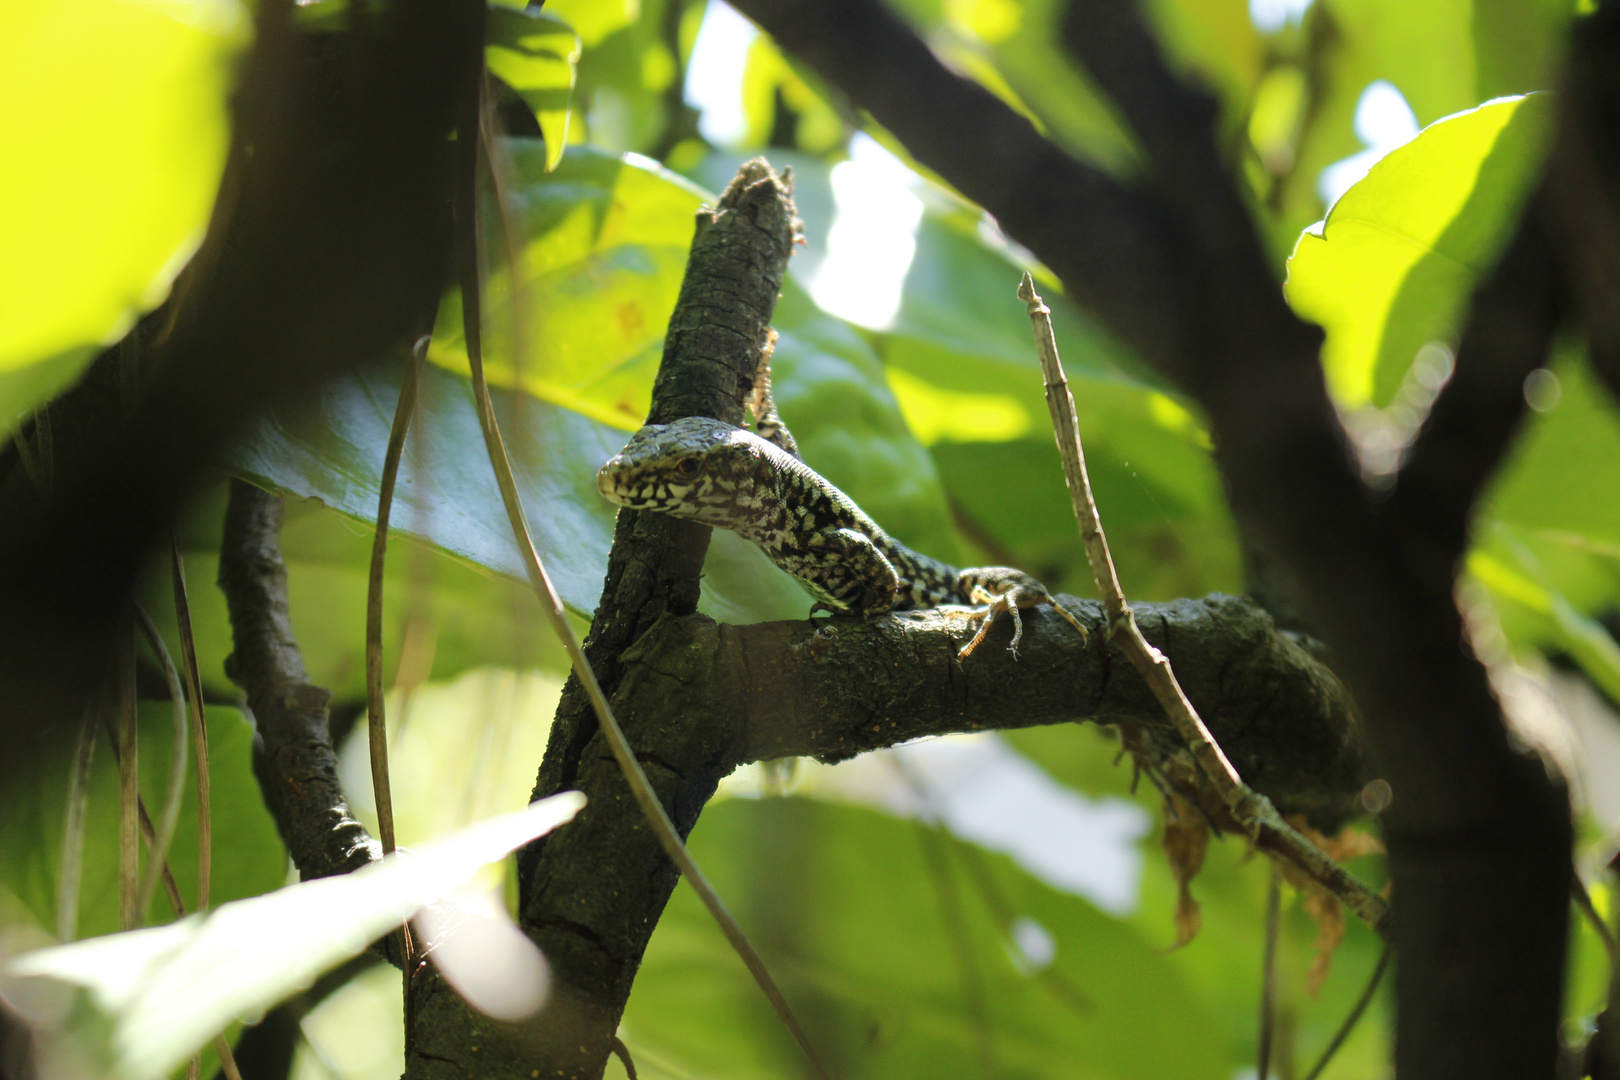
[
  {"x": 332, "y": 450},
  {"x": 140, "y": 84},
  {"x": 604, "y": 242},
  {"x": 1398, "y": 256},
  {"x": 460, "y": 615},
  {"x": 537, "y": 55},
  {"x": 846, "y": 911},
  {"x": 150, "y": 998},
  {"x": 247, "y": 854},
  {"x": 962, "y": 363},
  {"x": 1353, "y": 43},
  {"x": 457, "y": 753}
]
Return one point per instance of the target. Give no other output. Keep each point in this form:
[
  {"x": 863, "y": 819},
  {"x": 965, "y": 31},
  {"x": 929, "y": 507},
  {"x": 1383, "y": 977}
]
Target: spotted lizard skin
[{"x": 720, "y": 475}]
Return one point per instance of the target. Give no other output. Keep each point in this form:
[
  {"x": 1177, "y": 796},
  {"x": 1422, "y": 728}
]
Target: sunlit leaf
[
  {"x": 118, "y": 109},
  {"x": 152, "y": 997},
  {"x": 537, "y": 55},
  {"x": 604, "y": 246},
  {"x": 1394, "y": 263},
  {"x": 1354, "y": 43}
]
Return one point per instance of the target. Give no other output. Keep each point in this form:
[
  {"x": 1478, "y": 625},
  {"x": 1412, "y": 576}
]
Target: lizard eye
[{"x": 688, "y": 467}]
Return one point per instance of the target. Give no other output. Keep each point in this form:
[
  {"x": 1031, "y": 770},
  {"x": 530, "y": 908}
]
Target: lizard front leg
[
  {"x": 847, "y": 572},
  {"x": 1006, "y": 589}
]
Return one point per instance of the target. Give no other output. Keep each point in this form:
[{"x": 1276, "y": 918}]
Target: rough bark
[{"x": 292, "y": 750}]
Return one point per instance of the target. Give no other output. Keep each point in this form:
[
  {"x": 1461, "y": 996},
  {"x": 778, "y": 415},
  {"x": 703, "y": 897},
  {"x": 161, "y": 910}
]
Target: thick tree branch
[
  {"x": 293, "y": 755},
  {"x": 1283, "y": 718}
]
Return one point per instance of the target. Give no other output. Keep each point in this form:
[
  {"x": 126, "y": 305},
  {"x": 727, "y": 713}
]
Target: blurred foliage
[
  {"x": 89, "y": 83},
  {"x": 933, "y": 419}
]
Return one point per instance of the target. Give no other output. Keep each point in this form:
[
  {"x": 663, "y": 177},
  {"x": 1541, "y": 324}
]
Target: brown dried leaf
[
  {"x": 1186, "y": 836},
  {"x": 1330, "y": 925},
  {"x": 1329, "y": 917}
]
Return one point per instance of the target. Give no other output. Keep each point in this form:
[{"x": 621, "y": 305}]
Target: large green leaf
[
  {"x": 332, "y": 449},
  {"x": 1393, "y": 265},
  {"x": 603, "y": 248},
  {"x": 85, "y": 250},
  {"x": 846, "y": 910},
  {"x": 247, "y": 854},
  {"x": 149, "y": 999},
  {"x": 459, "y": 614}
]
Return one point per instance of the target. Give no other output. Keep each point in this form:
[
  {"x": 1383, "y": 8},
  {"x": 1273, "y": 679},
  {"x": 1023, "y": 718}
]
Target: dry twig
[{"x": 1266, "y": 828}]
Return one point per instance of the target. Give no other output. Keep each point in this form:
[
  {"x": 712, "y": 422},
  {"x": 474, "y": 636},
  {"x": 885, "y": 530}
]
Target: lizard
[{"x": 760, "y": 488}]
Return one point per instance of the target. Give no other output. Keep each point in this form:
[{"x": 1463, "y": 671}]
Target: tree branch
[{"x": 293, "y": 755}]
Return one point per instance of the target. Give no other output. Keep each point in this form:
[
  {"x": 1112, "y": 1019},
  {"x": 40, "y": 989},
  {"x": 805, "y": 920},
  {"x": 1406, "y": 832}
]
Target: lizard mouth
[{"x": 604, "y": 483}]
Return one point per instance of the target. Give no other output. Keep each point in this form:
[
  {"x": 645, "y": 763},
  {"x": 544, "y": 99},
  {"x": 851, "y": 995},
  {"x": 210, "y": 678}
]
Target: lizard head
[{"x": 693, "y": 468}]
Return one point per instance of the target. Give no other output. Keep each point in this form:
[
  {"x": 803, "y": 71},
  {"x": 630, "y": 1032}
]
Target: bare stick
[
  {"x": 1265, "y": 826},
  {"x": 199, "y": 727},
  {"x": 169, "y": 814},
  {"x": 473, "y": 144},
  {"x": 78, "y": 805},
  {"x": 376, "y": 718}
]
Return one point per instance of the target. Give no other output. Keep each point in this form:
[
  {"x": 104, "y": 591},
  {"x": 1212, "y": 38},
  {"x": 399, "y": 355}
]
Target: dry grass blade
[
  {"x": 144, "y": 830},
  {"x": 73, "y": 825},
  {"x": 169, "y": 814},
  {"x": 126, "y": 746},
  {"x": 1265, "y": 826},
  {"x": 199, "y": 727},
  {"x": 172, "y": 890},
  {"x": 473, "y": 146},
  {"x": 376, "y": 718}
]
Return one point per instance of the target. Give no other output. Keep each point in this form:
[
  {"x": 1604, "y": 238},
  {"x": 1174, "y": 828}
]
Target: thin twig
[
  {"x": 1265, "y": 826},
  {"x": 376, "y": 718},
  {"x": 126, "y": 743},
  {"x": 1583, "y": 900},
  {"x": 1268, "y": 976},
  {"x": 471, "y": 146},
  {"x": 169, "y": 814},
  {"x": 73, "y": 825},
  {"x": 1355, "y": 1013},
  {"x": 199, "y": 727}
]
